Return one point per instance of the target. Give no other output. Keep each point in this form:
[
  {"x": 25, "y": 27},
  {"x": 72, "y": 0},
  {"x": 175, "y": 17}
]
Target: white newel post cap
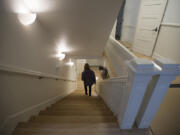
[
  {"x": 141, "y": 66},
  {"x": 168, "y": 67}
]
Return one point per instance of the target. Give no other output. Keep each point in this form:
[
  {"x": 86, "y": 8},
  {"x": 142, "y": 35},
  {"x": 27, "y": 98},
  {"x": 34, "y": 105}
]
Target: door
[{"x": 150, "y": 16}]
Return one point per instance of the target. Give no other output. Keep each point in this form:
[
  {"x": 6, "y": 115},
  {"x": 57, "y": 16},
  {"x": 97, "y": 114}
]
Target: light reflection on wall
[{"x": 22, "y": 6}]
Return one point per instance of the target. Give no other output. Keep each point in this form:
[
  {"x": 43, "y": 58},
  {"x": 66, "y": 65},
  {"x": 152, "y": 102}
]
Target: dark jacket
[{"x": 88, "y": 77}]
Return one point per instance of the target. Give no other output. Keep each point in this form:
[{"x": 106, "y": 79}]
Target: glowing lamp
[
  {"x": 70, "y": 63},
  {"x": 60, "y": 55},
  {"x": 27, "y": 18}
]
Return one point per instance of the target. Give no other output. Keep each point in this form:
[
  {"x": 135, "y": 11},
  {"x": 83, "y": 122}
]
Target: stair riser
[
  {"x": 42, "y": 125},
  {"x": 76, "y": 113}
]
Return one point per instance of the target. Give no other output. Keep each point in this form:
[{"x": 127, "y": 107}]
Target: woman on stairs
[{"x": 88, "y": 76}]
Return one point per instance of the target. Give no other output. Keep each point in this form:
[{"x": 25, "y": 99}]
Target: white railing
[
  {"x": 22, "y": 71},
  {"x": 118, "y": 55},
  {"x": 111, "y": 91}
]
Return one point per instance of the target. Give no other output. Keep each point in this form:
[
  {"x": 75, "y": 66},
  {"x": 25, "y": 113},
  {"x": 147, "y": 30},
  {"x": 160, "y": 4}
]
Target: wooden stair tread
[
  {"x": 73, "y": 119},
  {"x": 80, "y": 107},
  {"x": 65, "y": 125},
  {"x": 75, "y": 112},
  {"x": 73, "y": 109}
]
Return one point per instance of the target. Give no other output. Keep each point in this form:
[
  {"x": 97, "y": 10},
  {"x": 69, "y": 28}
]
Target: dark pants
[{"x": 85, "y": 87}]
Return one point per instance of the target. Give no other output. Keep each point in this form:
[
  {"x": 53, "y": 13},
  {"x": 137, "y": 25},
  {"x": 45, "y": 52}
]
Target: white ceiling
[{"x": 80, "y": 26}]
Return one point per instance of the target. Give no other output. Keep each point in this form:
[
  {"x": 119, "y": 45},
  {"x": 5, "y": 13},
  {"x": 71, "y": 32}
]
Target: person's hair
[{"x": 86, "y": 66}]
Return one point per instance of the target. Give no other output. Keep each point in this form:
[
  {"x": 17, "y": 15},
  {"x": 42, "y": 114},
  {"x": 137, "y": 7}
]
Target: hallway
[{"x": 76, "y": 114}]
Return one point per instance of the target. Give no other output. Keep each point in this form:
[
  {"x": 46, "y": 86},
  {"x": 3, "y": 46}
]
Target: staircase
[{"x": 76, "y": 114}]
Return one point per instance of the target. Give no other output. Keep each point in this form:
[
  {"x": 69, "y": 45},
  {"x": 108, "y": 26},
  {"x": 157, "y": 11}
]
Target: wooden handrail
[{"x": 28, "y": 72}]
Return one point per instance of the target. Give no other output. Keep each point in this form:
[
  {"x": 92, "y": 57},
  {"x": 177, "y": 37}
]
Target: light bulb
[
  {"x": 27, "y": 18},
  {"x": 70, "y": 63},
  {"x": 60, "y": 55}
]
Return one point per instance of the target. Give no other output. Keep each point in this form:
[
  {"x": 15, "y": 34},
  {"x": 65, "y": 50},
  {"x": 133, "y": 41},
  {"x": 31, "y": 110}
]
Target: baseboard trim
[
  {"x": 11, "y": 122},
  {"x": 156, "y": 55}
]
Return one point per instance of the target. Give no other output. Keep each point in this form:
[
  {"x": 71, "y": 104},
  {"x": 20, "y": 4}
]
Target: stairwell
[{"x": 76, "y": 114}]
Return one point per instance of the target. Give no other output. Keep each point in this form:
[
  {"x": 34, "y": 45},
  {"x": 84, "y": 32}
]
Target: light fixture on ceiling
[
  {"x": 27, "y": 18},
  {"x": 70, "y": 63},
  {"x": 60, "y": 55}
]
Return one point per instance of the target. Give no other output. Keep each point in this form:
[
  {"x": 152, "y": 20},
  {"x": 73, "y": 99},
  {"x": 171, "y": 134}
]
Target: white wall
[
  {"x": 30, "y": 48},
  {"x": 113, "y": 32},
  {"x": 168, "y": 40},
  {"x": 130, "y": 17},
  {"x": 26, "y": 46},
  {"x": 131, "y": 12},
  {"x": 172, "y": 10},
  {"x": 166, "y": 121},
  {"x": 95, "y": 62}
]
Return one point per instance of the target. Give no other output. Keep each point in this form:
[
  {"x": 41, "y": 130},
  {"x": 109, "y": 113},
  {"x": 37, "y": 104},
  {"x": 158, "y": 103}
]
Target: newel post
[
  {"x": 168, "y": 70},
  {"x": 140, "y": 72}
]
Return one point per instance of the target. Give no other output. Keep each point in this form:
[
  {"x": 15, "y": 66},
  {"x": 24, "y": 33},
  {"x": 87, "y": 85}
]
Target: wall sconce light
[
  {"x": 27, "y": 18},
  {"x": 60, "y": 55},
  {"x": 70, "y": 63}
]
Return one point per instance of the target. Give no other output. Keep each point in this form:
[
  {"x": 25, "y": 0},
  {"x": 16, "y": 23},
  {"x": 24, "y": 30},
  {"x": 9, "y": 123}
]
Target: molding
[
  {"x": 11, "y": 122},
  {"x": 170, "y": 24}
]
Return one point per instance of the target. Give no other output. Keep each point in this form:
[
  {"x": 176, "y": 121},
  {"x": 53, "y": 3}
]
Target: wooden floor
[{"x": 76, "y": 114}]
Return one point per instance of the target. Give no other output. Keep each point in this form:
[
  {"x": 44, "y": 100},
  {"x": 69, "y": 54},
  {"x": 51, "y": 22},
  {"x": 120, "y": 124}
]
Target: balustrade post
[
  {"x": 156, "y": 91},
  {"x": 140, "y": 72}
]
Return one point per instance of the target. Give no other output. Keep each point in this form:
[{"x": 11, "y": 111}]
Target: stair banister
[
  {"x": 157, "y": 90},
  {"x": 140, "y": 72}
]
